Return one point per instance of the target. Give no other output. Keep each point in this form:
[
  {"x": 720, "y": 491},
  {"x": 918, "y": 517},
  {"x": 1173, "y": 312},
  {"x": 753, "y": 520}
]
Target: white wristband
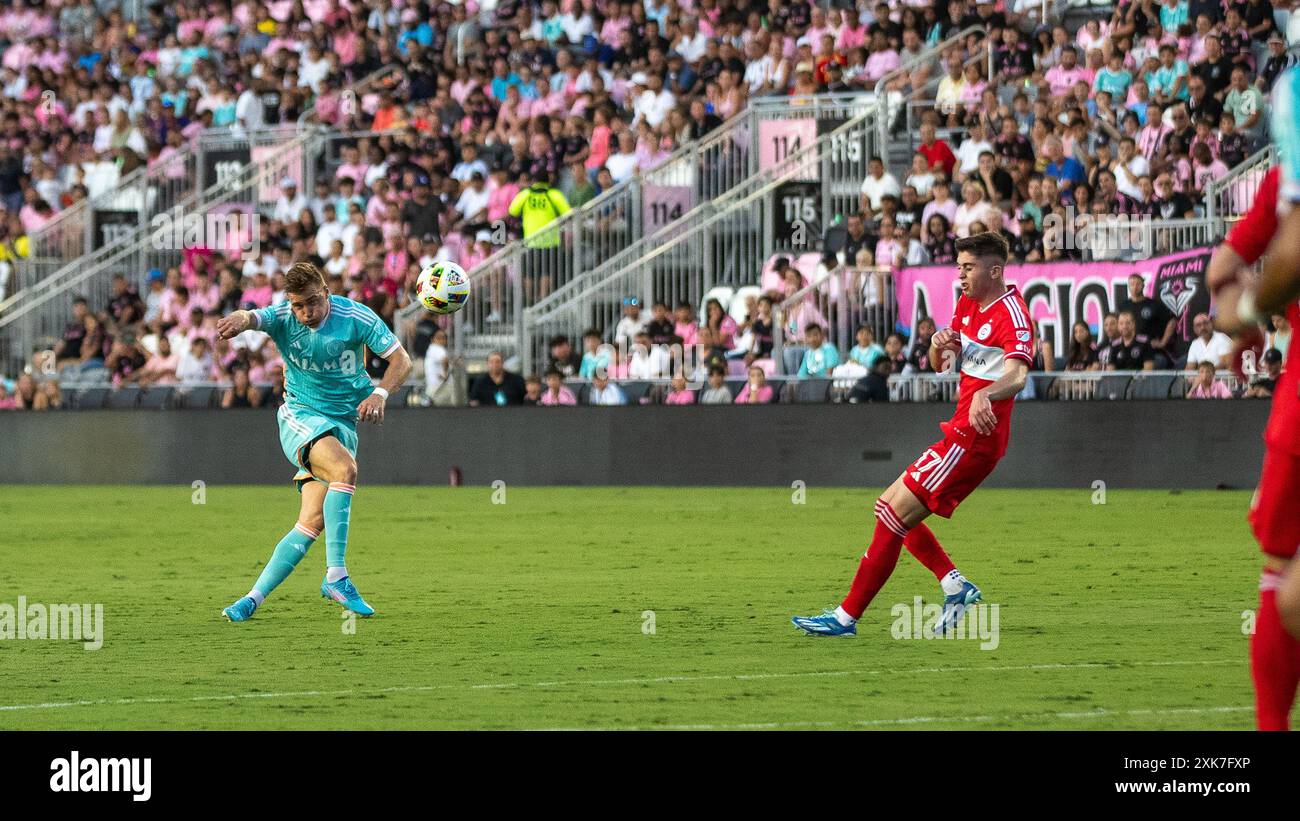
[{"x": 382, "y": 393}]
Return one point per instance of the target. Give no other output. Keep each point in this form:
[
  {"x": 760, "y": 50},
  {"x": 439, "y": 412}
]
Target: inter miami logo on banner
[{"x": 1180, "y": 285}]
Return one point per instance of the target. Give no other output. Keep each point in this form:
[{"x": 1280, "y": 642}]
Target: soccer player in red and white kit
[
  {"x": 993, "y": 339},
  {"x": 1271, "y": 229}
]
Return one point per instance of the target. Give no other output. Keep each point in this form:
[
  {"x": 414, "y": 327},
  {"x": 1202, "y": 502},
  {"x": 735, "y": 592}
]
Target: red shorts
[
  {"x": 1274, "y": 512},
  {"x": 946, "y": 474}
]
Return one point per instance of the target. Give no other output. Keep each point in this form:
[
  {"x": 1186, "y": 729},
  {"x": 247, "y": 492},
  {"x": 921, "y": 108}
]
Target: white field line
[
  {"x": 57, "y": 705},
  {"x": 887, "y": 722}
]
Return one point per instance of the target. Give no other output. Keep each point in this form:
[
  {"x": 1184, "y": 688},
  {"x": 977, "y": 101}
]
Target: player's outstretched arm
[
  {"x": 235, "y": 323},
  {"x": 371, "y": 408}
]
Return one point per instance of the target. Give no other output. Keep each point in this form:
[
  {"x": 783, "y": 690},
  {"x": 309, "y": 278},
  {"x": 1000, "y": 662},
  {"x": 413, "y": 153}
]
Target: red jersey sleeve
[
  {"x": 1018, "y": 331},
  {"x": 1252, "y": 233}
]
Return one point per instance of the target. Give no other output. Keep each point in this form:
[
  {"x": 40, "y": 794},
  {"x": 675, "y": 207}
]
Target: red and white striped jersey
[{"x": 989, "y": 337}]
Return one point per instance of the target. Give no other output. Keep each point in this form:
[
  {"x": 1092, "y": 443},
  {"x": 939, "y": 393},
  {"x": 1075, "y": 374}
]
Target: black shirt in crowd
[
  {"x": 569, "y": 365},
  {"x": 1129, "y": 356},
  {"x": 423, "y": 219},
  {"x": 1216, "y": 73},
  {"x": 1151, "y": 317},
  {"x": 488, "y": 393},
  {"x": 661, "y": 333}
]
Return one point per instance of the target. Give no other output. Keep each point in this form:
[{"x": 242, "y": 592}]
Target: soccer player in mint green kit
[{"x": 327, "y": 391}]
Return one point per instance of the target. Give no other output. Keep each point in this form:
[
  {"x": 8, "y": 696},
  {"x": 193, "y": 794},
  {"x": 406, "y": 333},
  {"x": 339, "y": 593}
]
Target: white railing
[
  {"x": 725, "y": 243},
  {"x": 71, "y": 235},
  {"x": 1230, "y": 196},
  {"x": 42, "y": 317},
  {"x": 883, "y": 123}
]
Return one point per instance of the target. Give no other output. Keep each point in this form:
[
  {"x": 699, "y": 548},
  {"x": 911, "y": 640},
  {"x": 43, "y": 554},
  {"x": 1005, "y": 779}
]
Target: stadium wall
[{"x": 1156, "y": 444}]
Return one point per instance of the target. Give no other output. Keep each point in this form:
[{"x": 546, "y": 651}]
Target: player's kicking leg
[
  {"x": 936, "y": 482},
  {"x": 332, "y": 462},
  {"x": 288, "y": 553},
  {"x": 959, "y": 592},
  {"x": 898, "y": 514}
]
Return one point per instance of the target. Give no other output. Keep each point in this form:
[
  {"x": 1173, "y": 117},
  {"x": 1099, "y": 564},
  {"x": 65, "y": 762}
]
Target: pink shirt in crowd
[
  {"x": 565, "y": 397},
  {"x": 1216, "y": 391},
  {"x": 680, "y": 398},
  {"x": 764, "y": 395}
]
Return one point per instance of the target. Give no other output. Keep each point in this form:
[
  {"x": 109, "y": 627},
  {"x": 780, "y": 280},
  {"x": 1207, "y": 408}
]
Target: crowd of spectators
[{"x": 1131, "y": 113}]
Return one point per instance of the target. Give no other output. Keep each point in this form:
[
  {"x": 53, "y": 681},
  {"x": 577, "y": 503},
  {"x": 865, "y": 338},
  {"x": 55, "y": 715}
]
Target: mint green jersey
[{"x": 325, "y": 367}]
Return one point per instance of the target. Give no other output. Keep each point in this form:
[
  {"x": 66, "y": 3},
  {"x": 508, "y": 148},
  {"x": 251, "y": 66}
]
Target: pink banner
[
  {"x": 1059, "y": 293},
  {"x": 289, "y": 165}
]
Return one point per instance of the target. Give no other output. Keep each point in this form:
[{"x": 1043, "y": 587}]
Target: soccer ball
[{"x": 443, "y": 288}]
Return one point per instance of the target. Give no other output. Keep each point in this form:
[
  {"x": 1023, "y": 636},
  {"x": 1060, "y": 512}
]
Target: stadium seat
[
  {"x": 737, "y": 308},
  {"x": 399, "y": 397},
  {"x": 736, "y": 367},
  {"x": 1154, "y": 386},
  {"x": 197, "y": 397},
  {"x": 657, "y": 393},
  {"x": 1043, "y": 385},
  {"x": 1112, "y": 386},
  {"x": 635, "y": 391},
  {"x": 581, "y": 390},
  {"x": 778, "y": 385},
  {"x": 156, "y": 398},
  {"x": 1181, "y": 385},
  {"x": 768, "y": 365},
  {"x": 811, "y": 390},
  {"x": 91, "y": 398},
  {"x": 124, "y": 398}
]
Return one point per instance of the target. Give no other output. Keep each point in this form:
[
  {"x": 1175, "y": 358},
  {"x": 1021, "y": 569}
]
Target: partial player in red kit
[
  {"x": 1275, "y": 509},
  {"x": 992, "y": 338}
]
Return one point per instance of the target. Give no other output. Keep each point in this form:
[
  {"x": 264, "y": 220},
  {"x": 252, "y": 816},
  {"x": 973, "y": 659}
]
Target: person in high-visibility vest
[{"x": 538, "y": 206}]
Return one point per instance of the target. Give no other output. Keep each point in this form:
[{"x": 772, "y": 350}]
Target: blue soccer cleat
[
  {"x": 241, "y": 610},
  {"x": 954, "y": 607},
  {"x": 824, "y": 625},
  {"x": 343, "y": 592}
]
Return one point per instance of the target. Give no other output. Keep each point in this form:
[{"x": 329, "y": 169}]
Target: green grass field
[{"x": 531, "y": 614}]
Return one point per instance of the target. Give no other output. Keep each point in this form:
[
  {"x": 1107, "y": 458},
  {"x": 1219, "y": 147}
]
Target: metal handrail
[
  {"x": 79, "y": 209},
  {"x": 510, "y": 252},
  {"x": 1266, "y": 157},
  {"x": 356, "y": 89},
  {"x": 913, "y": 100},
  {"x": 711, "y": 213},
  {"x": 882, "y": 103},
  {"x": 74, "y": 275}
]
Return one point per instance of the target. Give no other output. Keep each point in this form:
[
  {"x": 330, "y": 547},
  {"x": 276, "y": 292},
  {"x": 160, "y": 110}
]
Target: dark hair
[
  {"x": 1078, "y": 354},
  {"x": 985, "y": 244},
  {"x": 812, "y": 326}
]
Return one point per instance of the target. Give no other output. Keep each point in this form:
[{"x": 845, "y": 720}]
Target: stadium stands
[{"x": 681, "y": 133}]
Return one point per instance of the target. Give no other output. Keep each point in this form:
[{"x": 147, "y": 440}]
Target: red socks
[
  {"x": 1274, "y": 660},
  {"x": 921, "y": 543},
  {"x": 875, "y": 568}
]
